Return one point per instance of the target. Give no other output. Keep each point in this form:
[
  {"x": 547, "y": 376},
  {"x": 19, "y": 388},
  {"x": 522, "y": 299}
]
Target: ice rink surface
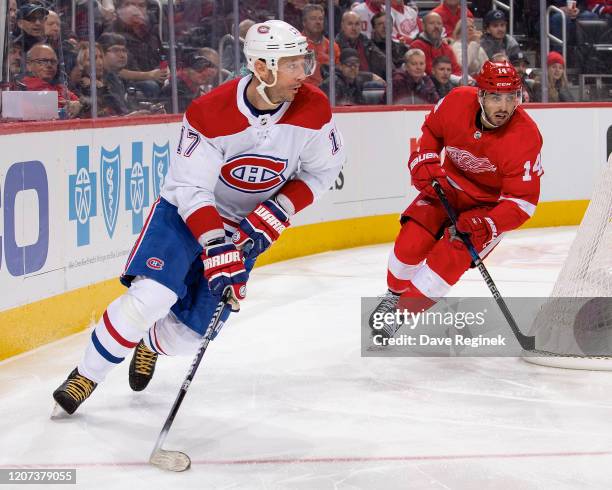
[{"x": 283, "y": 399}]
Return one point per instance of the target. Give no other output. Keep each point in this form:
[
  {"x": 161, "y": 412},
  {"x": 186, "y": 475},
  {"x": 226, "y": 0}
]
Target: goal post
[{"x": 573, "y": 329}]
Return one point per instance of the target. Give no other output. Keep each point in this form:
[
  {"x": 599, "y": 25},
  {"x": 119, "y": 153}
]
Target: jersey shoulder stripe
[
  {"x": 216, "y": 113},
  {"x": 310, "y": 109}
]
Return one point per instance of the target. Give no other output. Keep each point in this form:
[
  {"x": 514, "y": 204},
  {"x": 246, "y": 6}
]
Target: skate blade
[
  {"x": 58, "y": 412},
  {"x": 170, "y": 460}
]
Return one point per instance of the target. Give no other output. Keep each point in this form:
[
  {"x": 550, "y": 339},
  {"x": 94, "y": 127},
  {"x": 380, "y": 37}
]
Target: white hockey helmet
[{"x": 272, "y": 40}]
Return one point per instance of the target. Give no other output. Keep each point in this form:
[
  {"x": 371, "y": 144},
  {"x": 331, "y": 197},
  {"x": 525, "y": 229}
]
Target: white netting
[{"x": 574, "y": 328}]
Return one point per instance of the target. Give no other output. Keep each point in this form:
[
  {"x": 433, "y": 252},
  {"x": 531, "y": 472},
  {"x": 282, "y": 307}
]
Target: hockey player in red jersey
[
  {"x": 491, "y": 176},
  {"x": 251, "y": 154}
]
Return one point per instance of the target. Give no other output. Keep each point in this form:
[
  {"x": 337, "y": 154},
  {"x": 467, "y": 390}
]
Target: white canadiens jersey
[{"x": 233, "y": 160}]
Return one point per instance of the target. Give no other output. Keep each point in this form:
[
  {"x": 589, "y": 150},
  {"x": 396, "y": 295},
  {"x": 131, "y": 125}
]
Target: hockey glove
[
  {"x": 424, "y": 168},
  {"x": 260, "y": 229},
  {"x": 223, "y": 268},
  {"x": 479, "y": 226}
]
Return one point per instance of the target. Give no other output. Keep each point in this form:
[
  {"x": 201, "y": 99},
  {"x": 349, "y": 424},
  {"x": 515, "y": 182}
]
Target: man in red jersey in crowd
[{"x": 490, "y": 174}]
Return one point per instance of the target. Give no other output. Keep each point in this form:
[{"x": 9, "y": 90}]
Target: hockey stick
[
  {"x": 177, "y": 460},
  {"x": 527, "y": 342}
]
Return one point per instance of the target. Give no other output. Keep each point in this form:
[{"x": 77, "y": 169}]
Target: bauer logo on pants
[{"x": 253, "y": 173}]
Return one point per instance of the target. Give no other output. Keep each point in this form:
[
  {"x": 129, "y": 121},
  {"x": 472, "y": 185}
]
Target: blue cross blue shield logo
[
  {"x": 110, "y": 176},
  {"x": 136, "y": 187},
  {"x": 82, "y": 195},
  {"x": 161, "y": 160}
]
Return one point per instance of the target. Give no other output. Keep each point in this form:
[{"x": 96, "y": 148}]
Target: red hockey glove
[
  {"x": 425, "y": 167},
  {"x": 478, "y": 225},
  {"x": 261, "y": 228},
  {"x": 223, "y": 268}
]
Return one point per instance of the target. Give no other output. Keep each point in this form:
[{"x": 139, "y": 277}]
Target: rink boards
[{"x": 73, "y": 200}]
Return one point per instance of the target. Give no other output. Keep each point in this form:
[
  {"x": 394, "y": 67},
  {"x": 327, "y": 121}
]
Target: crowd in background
[{"x": 48, "y": 49}]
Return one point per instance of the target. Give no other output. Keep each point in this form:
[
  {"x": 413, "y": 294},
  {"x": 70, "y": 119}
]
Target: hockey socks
[{"x": 111, "y": 341}]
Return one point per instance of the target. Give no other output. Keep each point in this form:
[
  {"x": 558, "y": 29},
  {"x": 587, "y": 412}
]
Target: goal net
[{"x": 573, "y": 329}]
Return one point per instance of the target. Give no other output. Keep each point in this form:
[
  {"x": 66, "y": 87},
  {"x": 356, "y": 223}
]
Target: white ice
[{"x": 283, "y": 399}]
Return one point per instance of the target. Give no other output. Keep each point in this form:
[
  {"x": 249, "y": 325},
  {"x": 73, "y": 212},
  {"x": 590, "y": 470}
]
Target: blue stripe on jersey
[{"x": 103, "y": 352}]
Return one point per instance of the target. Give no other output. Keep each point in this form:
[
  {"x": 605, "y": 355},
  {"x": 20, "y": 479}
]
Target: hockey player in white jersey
[{"x": 252, "y": 153}]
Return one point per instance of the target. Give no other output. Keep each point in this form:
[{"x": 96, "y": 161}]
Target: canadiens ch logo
[
  {"x": 155, "y": 263},
  {"x": 253, "y": 173}
]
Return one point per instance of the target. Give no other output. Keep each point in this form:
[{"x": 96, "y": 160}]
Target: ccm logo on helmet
[
  {"x": 263, "y": 29},
  {"x": 253, "y": 173},
  {"x": 155, "y": 263}
]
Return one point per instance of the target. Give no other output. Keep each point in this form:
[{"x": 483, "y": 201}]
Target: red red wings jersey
[
  {"x": 229, "y": 160},
  {"x": 500, "y": 167}
]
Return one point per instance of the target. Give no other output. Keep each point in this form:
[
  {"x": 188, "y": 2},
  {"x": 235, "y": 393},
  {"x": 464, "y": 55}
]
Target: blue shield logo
[
  {"x": 136, "y": 187},
  {"x": 110, "y": 176},
  {"x": 82, "y": 195},
  {"x": 161, "y": 160}
]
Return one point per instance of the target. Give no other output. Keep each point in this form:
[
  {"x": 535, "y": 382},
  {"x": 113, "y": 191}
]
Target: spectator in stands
[
  {"x": 495, "y": 39},
  {"x": 412, "y": 85},
  {"x": 107, "y": 104},
  {"x": 601, "y": 8},
  {"x": 191, "y": 80},
  {"x": 313, "y": 21},
  {"x": 143, "y": 45},
  {"x": 573, "y": 13},
  {"x": 500, "y": 57},
  {"x": 366, "y": 11},
  {"x": 405, "y": 20},
  {"x": 476, "y": 55},
  {"x": 52, "y": 28},
  {"x": 54, "y": 35},
  {"x": 227, "y": 51},
  {"x": 450, "y": 12},
  {"x": 431, "y": 43},
  {"x": 349, "y": 81},
  {"x": 292, "y": 12},
  {"x": 521, "y": 63},
  {"x": 31, "y": 18},
  {"x": 41, "y": 71},
  {"x": 558, "y": 86},
  {"x": 15, "y": 60},
  {"x": 441, "y": 70},
  {"x": 212, "y": 78},
  {"x": 371, "y": 59},
  {"x": 398, "y": 49},
  {"x": 115, "y": 58},
  {"x": 12, "y": 15}
]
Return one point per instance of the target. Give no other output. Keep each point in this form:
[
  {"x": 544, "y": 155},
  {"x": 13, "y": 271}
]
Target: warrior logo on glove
[{"x": 261, "y": 228}]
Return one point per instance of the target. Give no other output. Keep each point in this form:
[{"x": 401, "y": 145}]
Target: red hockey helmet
[{"x": 499, "y": 77}]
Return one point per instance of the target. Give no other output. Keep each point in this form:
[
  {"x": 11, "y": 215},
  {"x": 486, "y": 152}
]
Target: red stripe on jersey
[
  {"x": 157, "y": 341},
  {"x": 222, "y": 103},
  {"x": 204, "y": 219},
  {"x": 310, "y": 109},
  {"x": 229, "y": 222},
  {"x": 298, "y": 192},
  {"x": 142, "y": 232},
  {"x": 116, "y": 335}
]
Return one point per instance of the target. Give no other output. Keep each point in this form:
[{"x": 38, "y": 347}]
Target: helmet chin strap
[{"x": 261, "y": 89}]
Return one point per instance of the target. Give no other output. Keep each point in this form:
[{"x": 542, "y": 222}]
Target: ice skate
[
  {"x": 74, "y": 391},
  {"x": 142, "y": 367},
  {"x": 388, "y": 304}
]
